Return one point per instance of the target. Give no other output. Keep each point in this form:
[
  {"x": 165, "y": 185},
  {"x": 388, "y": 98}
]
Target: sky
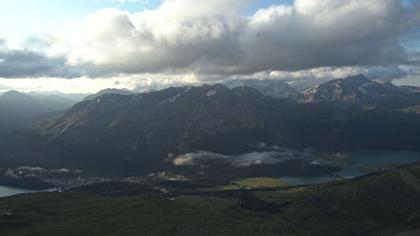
[{"x": 87, "y": 45}]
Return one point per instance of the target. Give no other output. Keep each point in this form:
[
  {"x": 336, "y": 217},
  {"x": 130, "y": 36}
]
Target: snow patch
[
  {"x": 364, "y": 88},
  {"x": 210, "y": 93},
  {"x": 170, "y": 100}
]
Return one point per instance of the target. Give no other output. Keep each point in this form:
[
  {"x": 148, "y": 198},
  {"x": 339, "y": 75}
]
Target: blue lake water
[
  {"x": 362, "y": 162},
  {"x": 7, "y": 191}
]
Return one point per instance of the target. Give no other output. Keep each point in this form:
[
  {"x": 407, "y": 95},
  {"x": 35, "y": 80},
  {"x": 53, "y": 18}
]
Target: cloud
[
  {"x": 166, "y": 39},
  {"x": 125, "y": 1},
  {"x": 304, "y": 79},
  {"x": 25, "y": 63},
  {"x": 214, "y": 40},
  {"x": 191, "y": 159},
  {"x": 327, "y": 33},
  {"x": 4, "y": 88},
  {"x": 258, "y": 158},
  {"x": 244, "y": 160},
  {"x": 141, "y": 83}
]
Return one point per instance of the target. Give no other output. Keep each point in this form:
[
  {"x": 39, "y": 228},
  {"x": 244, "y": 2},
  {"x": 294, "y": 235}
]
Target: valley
[
  {"x": 218, "y": 161},
  {"x": 217, "y": 134},
  {"x": 116, "y": 209},
  {"x": 210, "y": 118},
  {"x": 139, "y": 134}
]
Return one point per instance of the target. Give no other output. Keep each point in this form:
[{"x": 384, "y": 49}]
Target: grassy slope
[
  {"x": 82, "y": 214},
  {"x": 383, "y": 204},
  {"x": 260, "y": 183}
]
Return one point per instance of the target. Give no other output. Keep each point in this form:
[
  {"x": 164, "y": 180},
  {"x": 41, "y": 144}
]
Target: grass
[
  {"x": 84, "y": 214},
  {"x": 251, "y": 183},
  {"x": 259, "y": 183},
  {"x": 368, "y": 169},
  {"x": 381, "y": 204}
]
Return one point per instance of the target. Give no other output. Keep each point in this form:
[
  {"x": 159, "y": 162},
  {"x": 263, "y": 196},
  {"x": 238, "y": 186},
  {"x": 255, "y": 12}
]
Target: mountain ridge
[
  {"x": 362, "y": 91},
  {"x": 146, "y": 128}
]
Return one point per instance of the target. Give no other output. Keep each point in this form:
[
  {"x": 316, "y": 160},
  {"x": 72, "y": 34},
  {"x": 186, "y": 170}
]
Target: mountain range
[
  {"x": 18, "y": 109},
  {"x": 109, "y": 91},
  {"x": 140, "y": 131},
  {"x": 272, "y": 88},
  {"x": 361, "y": 91}
]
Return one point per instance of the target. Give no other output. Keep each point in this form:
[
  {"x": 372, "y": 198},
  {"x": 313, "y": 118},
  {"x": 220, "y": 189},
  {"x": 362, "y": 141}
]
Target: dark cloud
[
  {"x": 25, "y": 63},
  {"x": 387, "y": 74}
]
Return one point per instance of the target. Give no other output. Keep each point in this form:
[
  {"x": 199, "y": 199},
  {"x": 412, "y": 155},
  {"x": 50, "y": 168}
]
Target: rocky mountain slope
[
  {"x": 359, "y": 90},
  {"x": 272, "y": 88},
  {"x": 141, "y": 131},
  {"x": 108, "y": 91},
  {"x": 19, "y": 109}
]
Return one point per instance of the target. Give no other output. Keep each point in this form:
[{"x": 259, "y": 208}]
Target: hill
[{"x": 387, "y": 203}]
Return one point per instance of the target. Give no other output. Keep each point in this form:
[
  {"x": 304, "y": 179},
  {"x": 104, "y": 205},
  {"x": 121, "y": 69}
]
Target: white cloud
[
  {"x": 141, "y": 82},
  {"x": 122, "y": 1},
  {"x": 127, "y": 1},
  {"x": 212, "y": 39}
]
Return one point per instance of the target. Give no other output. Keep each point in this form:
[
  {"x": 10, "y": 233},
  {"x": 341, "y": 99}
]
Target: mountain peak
[
  {"x": 109, "y": 91},
  {"x": 359, "y": 77},
  {"x": 353, "y": 81},
  {"x": 272, "y": 88},
  {"x": 16, "y": 96},
  {"x": 217, "y": 86},
  {"x": 13, "y": 93},
  {"x": 354, "y": 89}
]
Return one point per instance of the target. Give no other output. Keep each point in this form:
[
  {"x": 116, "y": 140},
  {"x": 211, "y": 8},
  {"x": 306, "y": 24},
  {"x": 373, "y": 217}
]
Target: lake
[
  {"x": 362, "y": 163},
  {"x": 7, "y": 191}
]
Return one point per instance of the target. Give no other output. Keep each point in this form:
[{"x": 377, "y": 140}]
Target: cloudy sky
[{"x": 87, "y": 45}]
